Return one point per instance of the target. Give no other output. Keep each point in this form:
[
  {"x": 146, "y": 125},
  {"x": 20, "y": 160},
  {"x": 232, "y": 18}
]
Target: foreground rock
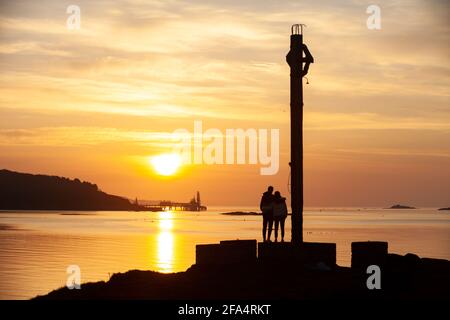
[{"x": 403, "y": 277}]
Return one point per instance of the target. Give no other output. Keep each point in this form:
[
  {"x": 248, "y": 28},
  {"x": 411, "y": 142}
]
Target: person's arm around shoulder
[{"x": 285, "y": 209}]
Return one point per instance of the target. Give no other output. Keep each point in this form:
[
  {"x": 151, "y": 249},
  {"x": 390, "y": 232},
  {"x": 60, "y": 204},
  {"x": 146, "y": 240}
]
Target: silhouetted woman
[{"x": 279, "y": 214}]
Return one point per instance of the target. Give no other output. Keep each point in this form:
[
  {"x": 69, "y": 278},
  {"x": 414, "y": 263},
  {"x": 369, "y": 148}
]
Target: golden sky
[{"x": 97, "y": 102}]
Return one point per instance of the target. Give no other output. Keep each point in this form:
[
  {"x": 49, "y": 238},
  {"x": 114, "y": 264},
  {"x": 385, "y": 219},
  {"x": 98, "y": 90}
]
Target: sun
[{"x": 166, "y": 164}]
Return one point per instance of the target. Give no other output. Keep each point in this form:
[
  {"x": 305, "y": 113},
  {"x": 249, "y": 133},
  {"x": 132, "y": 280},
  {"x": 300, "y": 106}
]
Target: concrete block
[
  {"x": 315, "y": 252},
  {"x": 208, "y": 254},
  {"x": 226, "y": 253},
  {"x": 368, "y": 253},
  {"x": 239, "y": 251},
  {"x": 275, "y": 252},
  {"x": 307, "y": 253}
]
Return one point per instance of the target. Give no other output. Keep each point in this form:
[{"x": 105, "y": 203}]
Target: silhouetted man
[{"x": 266, "y": 207}]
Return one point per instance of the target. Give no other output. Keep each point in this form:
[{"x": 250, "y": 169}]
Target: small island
[
  {"x": 399, "y": 206},
  {"x": 444, "y": 209},
  {"x": 242, "y": 213}
]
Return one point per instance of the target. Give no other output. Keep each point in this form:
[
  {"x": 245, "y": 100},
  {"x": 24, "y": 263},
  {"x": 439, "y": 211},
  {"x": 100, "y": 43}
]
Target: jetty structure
[{"x": 194, "y": 204}]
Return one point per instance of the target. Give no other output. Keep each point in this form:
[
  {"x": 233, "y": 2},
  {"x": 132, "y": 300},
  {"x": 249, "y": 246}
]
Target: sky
[{"x": 95, "y": 103}]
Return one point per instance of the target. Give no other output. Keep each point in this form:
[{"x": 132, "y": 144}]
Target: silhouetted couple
[{"x": 273, "y": 207}]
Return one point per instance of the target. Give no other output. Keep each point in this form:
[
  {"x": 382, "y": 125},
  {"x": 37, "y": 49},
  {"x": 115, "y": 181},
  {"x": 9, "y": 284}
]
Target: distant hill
[{"x": 23, "y": 191}]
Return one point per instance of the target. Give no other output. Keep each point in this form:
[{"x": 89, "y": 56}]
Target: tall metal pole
[{"x": 295, "y": 60}]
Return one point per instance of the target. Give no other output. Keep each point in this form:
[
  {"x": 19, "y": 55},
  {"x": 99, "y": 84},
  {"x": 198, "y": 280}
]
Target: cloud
[
  {"x": 370, "y": 121},
  {"x": 219, "y": 55},
  {"x": 81, "y": 136}
]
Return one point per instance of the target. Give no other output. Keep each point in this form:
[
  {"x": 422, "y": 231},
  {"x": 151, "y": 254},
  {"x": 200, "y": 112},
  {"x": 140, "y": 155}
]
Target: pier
[{"x": 166, "y": 205}]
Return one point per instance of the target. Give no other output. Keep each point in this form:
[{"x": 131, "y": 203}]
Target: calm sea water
[{"x": 37, "y": 247}]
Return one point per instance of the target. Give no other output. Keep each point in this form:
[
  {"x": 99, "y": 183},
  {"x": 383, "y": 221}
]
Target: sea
[{"x": 39, "y": 250}]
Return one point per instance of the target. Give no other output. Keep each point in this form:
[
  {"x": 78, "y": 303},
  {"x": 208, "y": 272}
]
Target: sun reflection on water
[{"x": 165, "y": 242}]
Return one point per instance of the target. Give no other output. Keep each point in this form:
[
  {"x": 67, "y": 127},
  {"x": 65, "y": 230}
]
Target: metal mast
[{"x": 298, "y": 60}]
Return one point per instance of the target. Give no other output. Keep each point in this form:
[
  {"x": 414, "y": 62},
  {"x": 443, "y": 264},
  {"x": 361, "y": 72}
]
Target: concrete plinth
[
  {"x": 227, "y": 252},
  {"x": 307, "y": 253},
  {"x": 369, "y": 253}
]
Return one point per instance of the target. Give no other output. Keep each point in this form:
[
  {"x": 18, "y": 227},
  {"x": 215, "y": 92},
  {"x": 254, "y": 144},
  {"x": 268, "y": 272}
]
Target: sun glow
[{"x": 166, "y": 164}]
